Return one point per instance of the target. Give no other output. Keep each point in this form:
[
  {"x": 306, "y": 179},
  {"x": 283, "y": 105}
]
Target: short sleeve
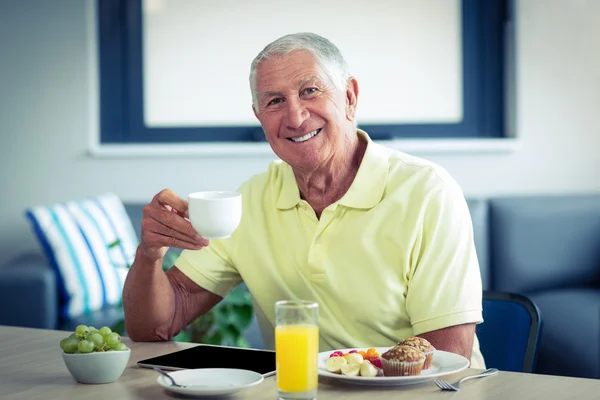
[
  {"x": 444, "y": 287},
  {"x": 210, "y": 268}
]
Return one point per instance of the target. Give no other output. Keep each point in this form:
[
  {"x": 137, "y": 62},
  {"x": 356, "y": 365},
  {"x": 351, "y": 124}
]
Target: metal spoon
[{"x": 175, "y": 384}]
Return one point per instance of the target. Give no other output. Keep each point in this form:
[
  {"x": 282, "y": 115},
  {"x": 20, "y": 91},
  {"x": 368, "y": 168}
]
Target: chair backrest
[{"x": 510, "y": 332}]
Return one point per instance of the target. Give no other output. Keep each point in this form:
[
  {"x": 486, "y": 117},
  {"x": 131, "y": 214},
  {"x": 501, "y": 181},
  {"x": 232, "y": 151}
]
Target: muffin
[
  {"x": 402, "y": 360},
  {"x": 422, "y": 344}
]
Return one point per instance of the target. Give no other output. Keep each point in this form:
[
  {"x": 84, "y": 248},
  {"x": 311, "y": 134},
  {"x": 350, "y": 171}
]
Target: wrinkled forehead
[{"x": 295, "y": 69}]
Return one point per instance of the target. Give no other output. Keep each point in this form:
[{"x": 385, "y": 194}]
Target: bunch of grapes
[{"x": 87, "y": 339}]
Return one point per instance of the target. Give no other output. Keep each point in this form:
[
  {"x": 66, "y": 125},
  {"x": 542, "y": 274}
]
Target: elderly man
[{"x": 381, "y": 240}]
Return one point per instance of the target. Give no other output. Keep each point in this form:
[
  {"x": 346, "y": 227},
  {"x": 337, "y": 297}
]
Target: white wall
[{"x": 48, "y": 99}]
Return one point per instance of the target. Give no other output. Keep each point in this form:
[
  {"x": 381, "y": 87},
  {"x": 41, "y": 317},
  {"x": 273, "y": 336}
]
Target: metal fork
[{"x": 444, "y": 385}]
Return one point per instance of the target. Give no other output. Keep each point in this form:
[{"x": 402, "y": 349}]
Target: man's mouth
[{"x": 306, "y": 137}]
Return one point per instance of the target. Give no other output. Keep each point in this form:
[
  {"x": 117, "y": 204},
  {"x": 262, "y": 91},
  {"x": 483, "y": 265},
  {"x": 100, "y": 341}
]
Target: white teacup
[{"x": 215, "y": 214}]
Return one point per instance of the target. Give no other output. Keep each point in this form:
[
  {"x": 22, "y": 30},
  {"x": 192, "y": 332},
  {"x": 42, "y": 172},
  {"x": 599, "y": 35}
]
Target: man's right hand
[{"x": 165, "y": 224}]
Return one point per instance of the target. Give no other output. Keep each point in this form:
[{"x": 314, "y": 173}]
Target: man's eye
[
  {"x": 274, "y": 102},
  {"x": 310, "y": 91}
]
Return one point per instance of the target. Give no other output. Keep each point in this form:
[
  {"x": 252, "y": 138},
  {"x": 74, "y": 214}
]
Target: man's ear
[
  {"x": 351, "y": 98},
  {"x": 256, "y": 115}
]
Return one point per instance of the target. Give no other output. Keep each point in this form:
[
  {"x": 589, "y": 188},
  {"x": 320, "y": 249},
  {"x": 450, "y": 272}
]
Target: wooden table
[{"x": 31, "y": 367}]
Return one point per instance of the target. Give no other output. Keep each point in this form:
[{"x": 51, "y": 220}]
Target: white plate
[
  {"x": 444, "y": 363},
  {"x": 210, "y": 382}
]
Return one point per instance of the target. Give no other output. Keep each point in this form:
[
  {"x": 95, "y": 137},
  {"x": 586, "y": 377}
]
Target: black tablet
[{"x": 209, "y": 356}]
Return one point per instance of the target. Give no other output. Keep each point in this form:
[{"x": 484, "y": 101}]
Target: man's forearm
[
  {"x": 455, "y": 339},
  {"x": 148, "y": 301}
]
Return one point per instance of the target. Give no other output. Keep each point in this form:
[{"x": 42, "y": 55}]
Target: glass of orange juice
[{"x": 297, "y": 349}]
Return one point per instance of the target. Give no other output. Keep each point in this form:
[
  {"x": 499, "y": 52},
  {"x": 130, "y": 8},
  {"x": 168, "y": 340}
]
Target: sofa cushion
[
  {"x": 90, "y": 243},
  {"x": 135, "y": 212},
  {"x": 539, "y": 243},
  {"x": 570, "y": 342},
  {"x": 28, "y": 279},
  {"x": 108, "y": 316}
]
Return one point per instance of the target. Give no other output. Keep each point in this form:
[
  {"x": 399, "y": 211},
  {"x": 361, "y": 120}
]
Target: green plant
[{"x": 224, "y": 324}]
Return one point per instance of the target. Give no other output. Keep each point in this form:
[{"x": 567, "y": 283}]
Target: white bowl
[{"x": 97, "y": 367}]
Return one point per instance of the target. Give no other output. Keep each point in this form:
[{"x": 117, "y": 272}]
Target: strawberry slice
[
  {"x": 375, "y": 361},
  {"x": 336, "y": 354}
]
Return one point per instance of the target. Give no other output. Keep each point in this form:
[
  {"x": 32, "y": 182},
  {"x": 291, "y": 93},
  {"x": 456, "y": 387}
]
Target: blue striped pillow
[{"x": 76, "y": 237}]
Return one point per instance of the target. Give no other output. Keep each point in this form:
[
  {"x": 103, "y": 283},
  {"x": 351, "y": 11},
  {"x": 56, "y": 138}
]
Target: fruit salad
[{"x": 354, "y": 363}]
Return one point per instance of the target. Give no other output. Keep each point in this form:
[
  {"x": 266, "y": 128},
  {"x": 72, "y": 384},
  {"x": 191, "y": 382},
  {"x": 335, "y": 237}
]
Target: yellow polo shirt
[{"x": 393, "y": 258}]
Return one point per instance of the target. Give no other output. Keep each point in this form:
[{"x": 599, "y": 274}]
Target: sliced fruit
[
  {"x": 367, "y": 369},
  {"x": 375, "y": 361},
  {"x": 334, "y": 364},
  {"x": 337, "y": 354},
  {"x": 372, "y": 352},
  {"x": 350, "y": 369},
  {"x": 355, "y": 358}
]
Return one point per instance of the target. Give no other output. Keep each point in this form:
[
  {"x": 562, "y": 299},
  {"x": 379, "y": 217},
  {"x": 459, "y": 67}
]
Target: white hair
[{"x": 327, "y": 55}]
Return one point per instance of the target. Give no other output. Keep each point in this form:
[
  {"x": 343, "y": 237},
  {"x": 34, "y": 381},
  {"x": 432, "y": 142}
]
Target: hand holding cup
[{"x": 165, "y": 224}]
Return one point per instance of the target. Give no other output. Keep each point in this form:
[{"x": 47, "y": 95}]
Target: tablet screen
[{"x": 208, "y": 356}]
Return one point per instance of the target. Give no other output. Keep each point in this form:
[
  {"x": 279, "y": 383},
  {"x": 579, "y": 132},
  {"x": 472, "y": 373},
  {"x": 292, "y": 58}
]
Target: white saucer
[{"x": 210, "y": 382}]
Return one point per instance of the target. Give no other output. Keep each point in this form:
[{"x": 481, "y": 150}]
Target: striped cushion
[{"x": 77, "y": 237}]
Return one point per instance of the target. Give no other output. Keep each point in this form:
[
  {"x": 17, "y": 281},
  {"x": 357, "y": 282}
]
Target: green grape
[
  {"x": 97, "y": 339},
  {"x": 71, "y": 345},
  {"x": 74, "y": 336},
  {"x": 121, "y": 346},
  {"x": 113, "y": 340},
  {"x": 63, "y": 343},
  {"x": 82, "y": 331},
  {"x": 105, "y": 331},
  {"x": 85, "y": 346},
  {"x": 92, "y": 329}
]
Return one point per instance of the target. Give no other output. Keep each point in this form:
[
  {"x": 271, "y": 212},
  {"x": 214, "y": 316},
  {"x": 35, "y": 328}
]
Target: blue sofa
[{"x": 546, "y": 247}]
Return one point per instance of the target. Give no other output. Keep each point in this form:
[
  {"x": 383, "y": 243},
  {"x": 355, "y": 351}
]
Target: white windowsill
[{"x": 411, "y": 146}]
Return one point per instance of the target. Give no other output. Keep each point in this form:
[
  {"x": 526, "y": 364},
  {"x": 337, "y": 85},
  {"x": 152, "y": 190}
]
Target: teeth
[{"x": 306, "y": 137}]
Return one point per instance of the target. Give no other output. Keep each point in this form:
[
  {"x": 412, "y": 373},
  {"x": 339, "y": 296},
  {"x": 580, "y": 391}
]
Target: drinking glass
[{"x": 297, "y": 349}]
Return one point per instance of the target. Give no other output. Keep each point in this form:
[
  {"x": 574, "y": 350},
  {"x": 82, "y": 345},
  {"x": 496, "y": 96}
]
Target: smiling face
[{"x": 306, "y": 119}]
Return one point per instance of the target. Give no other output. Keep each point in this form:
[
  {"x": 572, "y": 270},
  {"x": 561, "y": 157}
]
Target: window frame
[{"x": 122, "y": 92}]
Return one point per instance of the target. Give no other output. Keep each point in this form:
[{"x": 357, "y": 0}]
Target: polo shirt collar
[
  {"x": 289, "y": 196},
  {"x": 369, "y": 184},
  {"x": 366, "y": 190}
]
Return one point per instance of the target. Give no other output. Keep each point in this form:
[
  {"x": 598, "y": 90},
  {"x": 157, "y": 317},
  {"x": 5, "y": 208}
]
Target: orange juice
[{"x": 296, "y": 350}]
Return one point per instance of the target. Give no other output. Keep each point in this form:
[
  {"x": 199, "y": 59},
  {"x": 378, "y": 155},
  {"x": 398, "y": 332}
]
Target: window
[{"x": 446, "y": 59}]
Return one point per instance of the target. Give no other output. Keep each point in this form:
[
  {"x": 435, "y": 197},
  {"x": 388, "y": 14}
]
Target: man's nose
[{"x": 296, "y": 113}]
